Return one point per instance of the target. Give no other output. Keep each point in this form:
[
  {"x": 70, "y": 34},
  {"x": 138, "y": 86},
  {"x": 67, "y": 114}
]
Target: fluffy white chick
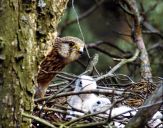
[
  {"x": 102, "y": 103},
  {"x": 88, "y": 102},
  {"x": 74, "y": 102},
  {"x": 156, "y": 120},
  {"x": 84, "y": 83},
  {"x": 99, "y": 104},
  {"x": 122, "y": 109}
]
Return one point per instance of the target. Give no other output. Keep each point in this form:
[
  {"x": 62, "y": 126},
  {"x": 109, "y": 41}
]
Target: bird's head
[
  {"x": 84, "y": 83},
  {"x": 70, "y": 48},
  {"x": 99, "y": 103}
]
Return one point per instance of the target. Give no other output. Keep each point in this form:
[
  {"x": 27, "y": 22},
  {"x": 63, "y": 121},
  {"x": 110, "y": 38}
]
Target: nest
[
  {"x": 137, "y": 93},
  {"x": 53, "y": 108}
]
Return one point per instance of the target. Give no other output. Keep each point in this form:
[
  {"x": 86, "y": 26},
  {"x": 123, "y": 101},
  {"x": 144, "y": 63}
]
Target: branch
[
  {"x": 91, "y": 65},
  {"x": 152, "y": 30},
  {"x": 96, "y": 91},
  {"x": 136, "y": 35},
  {"x": 145, "y": 114},
  {"x": 123, "y": 61},
  {"x": 91, "y": 45},
  {"x": 106, "y": 52}
]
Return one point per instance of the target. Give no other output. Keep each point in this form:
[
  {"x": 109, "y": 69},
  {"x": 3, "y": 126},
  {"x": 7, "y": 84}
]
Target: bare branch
[
  {"x": 123, "y": 61},
  {"x": 136, "y": 35},
  {"x": 91, "y": 65},
  {"x": 152, "y": 30}
]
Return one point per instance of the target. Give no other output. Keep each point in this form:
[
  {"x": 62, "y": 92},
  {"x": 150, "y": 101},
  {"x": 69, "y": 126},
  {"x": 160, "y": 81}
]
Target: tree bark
[{"x": 27, "y": 30}]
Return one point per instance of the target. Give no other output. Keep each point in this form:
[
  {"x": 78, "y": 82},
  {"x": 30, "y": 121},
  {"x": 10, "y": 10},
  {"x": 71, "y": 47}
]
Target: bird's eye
[
  {"x": 73, "y": 114},
  {"x": 71, "y": 44},
  {"x": 94, "y": 110},
  {"x": 98, "y": 102},
  {"x": 80, "y": 84},
  {"x": 84, "y": 49}
]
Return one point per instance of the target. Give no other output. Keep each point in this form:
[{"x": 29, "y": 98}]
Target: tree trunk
[{"x": 27, "y": 30}]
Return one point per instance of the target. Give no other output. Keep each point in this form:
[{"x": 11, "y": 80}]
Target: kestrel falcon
[{"x": 65, "y": 50}]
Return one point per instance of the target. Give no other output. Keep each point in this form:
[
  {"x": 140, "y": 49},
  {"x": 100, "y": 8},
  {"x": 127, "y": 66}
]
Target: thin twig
[
  {"x": 96, "y": 91},
  {"x": 91, "y": 45},
  {"x": 82, "y": 16},
  {"x": 91, "y": 64},
  {"x": 106, "y": 52}
]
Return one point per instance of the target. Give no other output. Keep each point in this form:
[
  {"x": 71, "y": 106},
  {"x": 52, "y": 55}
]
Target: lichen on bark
[{"x": 20, "y": 54}]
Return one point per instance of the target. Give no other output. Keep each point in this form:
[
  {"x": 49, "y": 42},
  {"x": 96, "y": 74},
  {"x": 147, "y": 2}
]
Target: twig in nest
[{"x": 96, "y": 91}]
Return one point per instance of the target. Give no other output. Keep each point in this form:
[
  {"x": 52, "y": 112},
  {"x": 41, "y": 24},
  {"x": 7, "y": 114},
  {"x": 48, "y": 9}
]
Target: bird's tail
[{"x": 40, "y": 91}]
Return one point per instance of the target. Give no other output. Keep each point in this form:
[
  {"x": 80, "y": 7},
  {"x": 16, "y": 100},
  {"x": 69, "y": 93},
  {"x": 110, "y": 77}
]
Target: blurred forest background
[{"x": 104, "y": 22}]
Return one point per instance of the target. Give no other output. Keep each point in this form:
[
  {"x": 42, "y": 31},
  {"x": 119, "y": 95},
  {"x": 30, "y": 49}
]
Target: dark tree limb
[
  {"x": 153, "y": 103},
  {"x": 151, "y": 30}
]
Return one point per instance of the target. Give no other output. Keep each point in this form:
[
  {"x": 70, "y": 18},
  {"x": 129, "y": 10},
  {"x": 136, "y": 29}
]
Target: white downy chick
[
  {"x": 76, "y": 101},
  {"x": 119, "y": 111},
  {"x": 84, "y": 83},
  {"x": 100, "y": 104},
  {"x": 88, "y": 102},
  {"x": 156, "y": 120},
  {"x": 122, "y": 109}
]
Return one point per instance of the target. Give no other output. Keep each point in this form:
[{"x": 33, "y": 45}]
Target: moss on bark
[{"x": 21, "y": 43}]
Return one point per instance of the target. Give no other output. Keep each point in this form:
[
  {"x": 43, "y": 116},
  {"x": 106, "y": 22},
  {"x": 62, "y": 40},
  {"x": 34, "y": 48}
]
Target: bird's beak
[{"x": 81, "y": 50}]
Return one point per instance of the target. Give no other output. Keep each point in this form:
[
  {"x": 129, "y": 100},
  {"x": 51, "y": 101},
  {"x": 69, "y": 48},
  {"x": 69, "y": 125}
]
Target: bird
[
  {"x": 64, "y": 51},
  {"x": 85, "y": 83},
  {"x": 99, "y": 104},
  {"x": 88, "y": 102},
  {"x": 74, "y": 102},
  {"x": 82, "y": 83}
]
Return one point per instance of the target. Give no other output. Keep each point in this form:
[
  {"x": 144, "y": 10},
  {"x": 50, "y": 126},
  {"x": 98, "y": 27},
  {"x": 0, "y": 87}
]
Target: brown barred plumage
[{"x": 65, "y": 50}]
